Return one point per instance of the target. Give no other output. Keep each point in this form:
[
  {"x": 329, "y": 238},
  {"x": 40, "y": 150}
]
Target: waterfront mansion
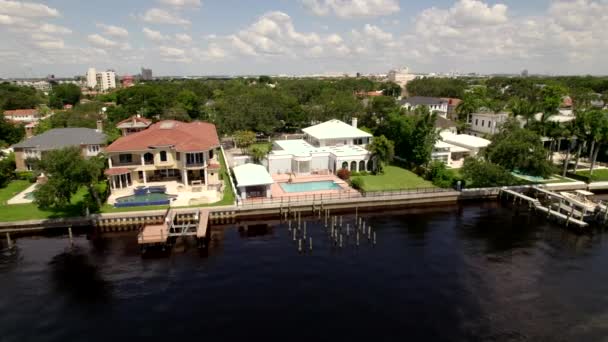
[
  {"x": 326, "y": 147},
  {"x": 166, "y": 151}
]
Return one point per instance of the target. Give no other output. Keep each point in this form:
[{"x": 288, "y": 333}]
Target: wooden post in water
[
  {"x": 9, "y": 242},
  {"x": 300, "y": 245},
  {"x": 340, "y": 240},
  {"x": 369, "y": 232},
  {"x": 304, "y": 231},
  {"x": 294, "y": 235},
  {"x": 347, "y": 229},
  {"x": 357, "y": 238},
  {"x": 70, "y": 235},
  {"x": 374, "y": 238},
  {"x": 310, "y": 239}
]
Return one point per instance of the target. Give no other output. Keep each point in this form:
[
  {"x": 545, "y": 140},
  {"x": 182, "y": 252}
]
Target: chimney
[
  {"x": 354, "y": 122},
  {"x": 99, "y": 126},
  {"x": 29, "y": 131}
]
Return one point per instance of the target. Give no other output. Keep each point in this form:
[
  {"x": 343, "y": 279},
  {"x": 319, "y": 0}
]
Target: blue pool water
[
  {"x": 152, "y": 198},
  {"x": 310, "y": 186},
  {"x": 529, "y": 178}
]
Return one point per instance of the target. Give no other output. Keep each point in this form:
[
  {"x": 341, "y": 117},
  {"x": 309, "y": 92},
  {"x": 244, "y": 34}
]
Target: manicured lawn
[
  {"x": 29, "y": 211},
  {"x": 599, "y": 175},
  {"x": 393, "y": 178},
  {"x": 13, "y": 188}
]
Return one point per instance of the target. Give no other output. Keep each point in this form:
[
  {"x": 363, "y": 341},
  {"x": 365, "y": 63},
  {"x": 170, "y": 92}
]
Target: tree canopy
[{"x": 63, "y": 94}]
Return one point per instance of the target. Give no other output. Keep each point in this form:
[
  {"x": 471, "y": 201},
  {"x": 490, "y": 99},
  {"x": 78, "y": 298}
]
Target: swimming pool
[
  {"x": 309, "y": 186},
  {"x": 143, "y": 199}
]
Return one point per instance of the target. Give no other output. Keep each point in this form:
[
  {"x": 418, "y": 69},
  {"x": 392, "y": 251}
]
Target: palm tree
[
  {"x": 524, "y": 109},
  {"x": 469, "y": 105}
]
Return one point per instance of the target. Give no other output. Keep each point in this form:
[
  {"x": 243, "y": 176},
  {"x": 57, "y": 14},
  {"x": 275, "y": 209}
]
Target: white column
[
  {"x": 120, "y": 180},
  {"x": 206, "y": 177},
  {"x": 110, "y": 162},
  {"x": 185, "y": 177},
  {"x": 143, "y": 163},
  {"x": 113, "y": 182},
  {"x": 243, "y": 192}
]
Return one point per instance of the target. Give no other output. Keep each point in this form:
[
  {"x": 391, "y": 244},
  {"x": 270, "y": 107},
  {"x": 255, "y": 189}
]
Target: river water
[{"x": 477, "y": 272}]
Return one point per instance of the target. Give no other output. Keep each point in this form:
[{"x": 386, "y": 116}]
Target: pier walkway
[{"x": 187, "y": 222}]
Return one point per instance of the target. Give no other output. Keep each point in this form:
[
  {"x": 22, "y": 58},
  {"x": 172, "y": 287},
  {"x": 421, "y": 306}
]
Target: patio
[{"x": 186, "y": 195}]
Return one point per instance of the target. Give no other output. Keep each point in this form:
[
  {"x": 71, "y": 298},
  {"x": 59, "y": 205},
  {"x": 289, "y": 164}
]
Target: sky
[{"x": 296, "y": 37}]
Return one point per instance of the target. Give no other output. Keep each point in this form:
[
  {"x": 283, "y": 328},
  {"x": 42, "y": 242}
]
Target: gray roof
[
  {"x": 444, "y": 123},
  {"x": 63, "y": 137},
  {"x": 423, "y": 100}
]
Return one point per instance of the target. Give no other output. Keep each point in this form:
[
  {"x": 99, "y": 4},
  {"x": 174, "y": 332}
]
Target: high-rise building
[
  {"x": 106, "y": 80},
  {"x": 91, "y": 78},
  {"x": 401, "y": 77},
  {"x": 146, "y": 74}
]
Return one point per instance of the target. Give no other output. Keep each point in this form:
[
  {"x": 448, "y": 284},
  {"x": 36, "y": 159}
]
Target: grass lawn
[
  {"x": 599, "y": 175},
  {"x": 13, "y": 188},
  {"x": 393, "y": 178},
  {"x": 29, "y": 211}
]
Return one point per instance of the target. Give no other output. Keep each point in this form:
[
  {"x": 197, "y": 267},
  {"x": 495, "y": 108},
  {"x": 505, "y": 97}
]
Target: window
[
  {"x": 194, "y": 158},
  {"x": 476, "y": 122},
  {"x": 482, "y": 123},
  {"x": 353, "y": 166},
  {"x": 163, "y": 156},
  {"x": 125, "y": 158},
  {"x": 93, "y": 148},
  {"x": 362, "y": 166},
  {"x": 345, "y": 165},
  {"x": 210, "y": 154},
  {"x": 178, "y": 156},
  {"x": 148, "y": 158},
  {"x": 370, "y": 166},
  {"x": 29, "y": 167}
]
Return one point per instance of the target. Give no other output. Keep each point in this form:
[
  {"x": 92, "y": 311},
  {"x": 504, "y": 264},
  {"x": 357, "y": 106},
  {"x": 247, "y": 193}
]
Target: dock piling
[
  {"x": 310, "y": 239},
  {"x": 9, "y": 242},
  {"x": 300, "y": 245},
  {"x": 374, "y": 238},
  {"x": 70, "y": 236}
]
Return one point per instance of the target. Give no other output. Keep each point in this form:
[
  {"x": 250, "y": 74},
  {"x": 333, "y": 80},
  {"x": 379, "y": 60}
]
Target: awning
[{"x": 117, "y": 171}]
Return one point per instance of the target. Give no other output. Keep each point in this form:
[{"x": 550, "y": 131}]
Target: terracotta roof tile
[
  {"x": 21, "y": 112},
  {"x": 183, "y": 136}
]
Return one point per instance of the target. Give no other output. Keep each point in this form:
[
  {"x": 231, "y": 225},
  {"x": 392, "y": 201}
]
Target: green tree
[
  {"x": 382, "y": 151},
  {"x": 439, "y": 175},
  {"x": 524, "y": 109},
  {"x": 67, "y": 171},
  {"x": 63, "y": 94},
  {"x": 9, "y": 132},
  {"x": 7, "y": 169},
  {"x": 16, "y": 97},
  {"x": 470, "y": 104},
  {"x": 244, "y": 139},
  {"x": 392, "y": 89},
  {"x": 519, "y": 149},
  {"x": 481, "y": 173}
]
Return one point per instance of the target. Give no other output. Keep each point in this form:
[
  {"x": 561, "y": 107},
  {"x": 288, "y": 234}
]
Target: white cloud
[
  {"x": 181, "y": 3},
  {"x": 154, "y": 35},
  {"x": 183, "y": 38},
  {"x": 173, "y": 54},
  {"x": 52, "y": 28},
  {"x": 161, "y": 16},
  {"x": 114, "y": 31},
  {"x": 27, "y": 9},
  {"x": 98, "y": 40},
  {"x": 352, "y": 8},
  {"x": 50, "y": 44}
]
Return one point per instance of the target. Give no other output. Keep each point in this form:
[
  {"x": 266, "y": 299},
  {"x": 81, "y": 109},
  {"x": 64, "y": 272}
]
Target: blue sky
[{"x": 206, "y": 37}]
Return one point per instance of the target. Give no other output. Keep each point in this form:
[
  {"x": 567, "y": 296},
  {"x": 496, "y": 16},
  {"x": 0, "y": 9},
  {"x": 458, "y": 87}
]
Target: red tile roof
[
  {"x": 183, "y": 136},
  {"x": 21, "y": 112}
]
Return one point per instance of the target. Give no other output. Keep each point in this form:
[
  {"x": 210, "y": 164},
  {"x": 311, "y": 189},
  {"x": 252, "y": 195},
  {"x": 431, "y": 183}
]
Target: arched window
[
  {"x": 353, "y": 166},
  {"x": 362, "y": 166},
  {"x": 345, "y": 165},
  {"x": 163, "y": 156},
  {"x": 149, "y": 158},
  {"x": 370, "y": 166}
]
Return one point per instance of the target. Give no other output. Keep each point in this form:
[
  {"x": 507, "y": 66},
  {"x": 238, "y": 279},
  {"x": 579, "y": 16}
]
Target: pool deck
[
  {"x": 278, "y": 192},
  {"x": 185, "y": 195},
  {"x": 20, "y": 197}
]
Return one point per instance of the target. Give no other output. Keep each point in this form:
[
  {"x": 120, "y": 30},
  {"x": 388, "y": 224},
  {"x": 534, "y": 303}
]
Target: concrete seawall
[{"x": 134, "y": 219}]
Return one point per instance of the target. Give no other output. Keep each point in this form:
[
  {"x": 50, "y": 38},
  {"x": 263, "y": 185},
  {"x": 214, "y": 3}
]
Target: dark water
[{"x": 472, "y": 273}]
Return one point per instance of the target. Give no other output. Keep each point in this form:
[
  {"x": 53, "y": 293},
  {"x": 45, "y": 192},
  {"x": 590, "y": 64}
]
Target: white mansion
[{"x": 331, "y": 145}]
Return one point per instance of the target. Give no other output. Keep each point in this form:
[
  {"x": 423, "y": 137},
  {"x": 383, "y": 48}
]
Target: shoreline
[{"x": 122, "y": 221}]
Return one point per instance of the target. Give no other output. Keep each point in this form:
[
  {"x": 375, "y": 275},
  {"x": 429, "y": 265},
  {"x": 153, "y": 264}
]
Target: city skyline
[{"x": 199, "y": 37}]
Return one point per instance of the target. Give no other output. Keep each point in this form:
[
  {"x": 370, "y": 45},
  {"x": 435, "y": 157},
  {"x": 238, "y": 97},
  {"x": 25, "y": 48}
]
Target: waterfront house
[
  {"x": 24, "y": 116},
  {"x": 186, "y": 153},
  {"x": 90, "y": 141},
  {"x": 452, "y": 149},
  {"x": 481, "y": 124},
  {"x": 326, "y": 148},
  {"x": 434, "y": 104}
]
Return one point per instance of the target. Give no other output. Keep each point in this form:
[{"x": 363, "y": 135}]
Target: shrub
[
  {"x": 357, "y": 183},
  {"x": 438, "y": 173},
  {"x": 26, "y": 175},
  {"x": 344, "y": 174}
]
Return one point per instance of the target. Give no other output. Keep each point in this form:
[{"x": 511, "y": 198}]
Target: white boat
[{"x": 581, "y": 199}]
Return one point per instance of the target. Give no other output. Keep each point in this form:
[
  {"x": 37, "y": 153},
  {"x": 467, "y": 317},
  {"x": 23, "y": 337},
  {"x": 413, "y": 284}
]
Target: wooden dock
[
  {"x": 537, "y": 205},
  {"x": 177, "y": 223}
]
